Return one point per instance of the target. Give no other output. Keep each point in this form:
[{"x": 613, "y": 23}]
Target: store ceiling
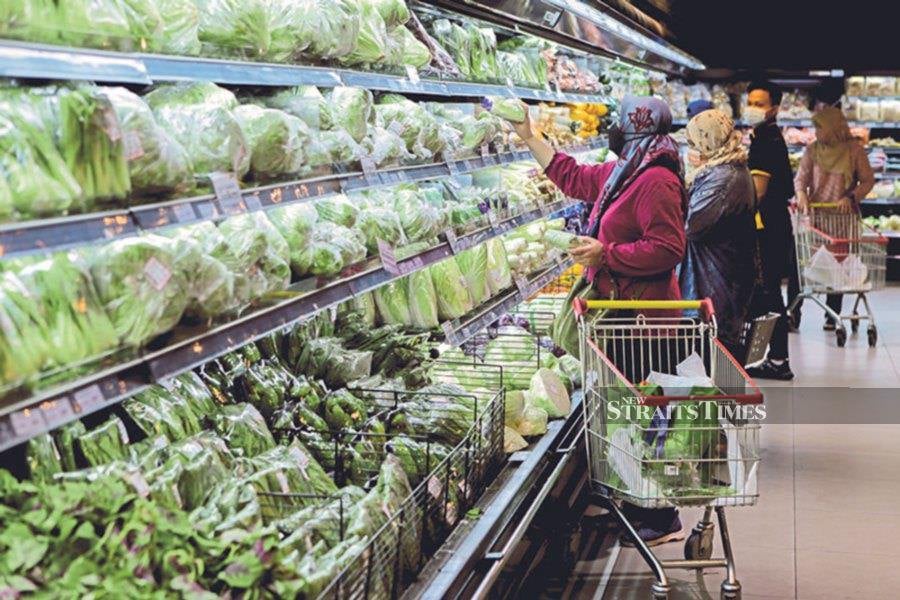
[{"x": 776, "y": 35}]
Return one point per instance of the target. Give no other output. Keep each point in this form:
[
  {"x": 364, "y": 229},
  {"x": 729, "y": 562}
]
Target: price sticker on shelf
[
  {"x": 184, "y": 213},
  {"x": 56, "y": 412},
  {"x": 454, "y": 167},
  {"x": 207, "y": 210},
  {"x": 412, "y": 74},
  {"x": 27, "y": 422},
  {"x": 485, "y": 151},
  {"x": 388, "y": 258},
  {"x": 89, "y": 399},
  {"x": 493, "y": 219},
  {"x": 228, "y": 192},
  {"x": 510, "y": 83},
  {"x": 452, "y": 240},
  {"x": 523, "y": 286},
  {"x": 449, "y": 331}
]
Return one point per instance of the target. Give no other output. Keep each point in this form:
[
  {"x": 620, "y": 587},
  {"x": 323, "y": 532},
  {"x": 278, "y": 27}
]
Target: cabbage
[
  {"x": 422, "y": 300},
  {"x": 394, "y": 12},
  {"x": 350, "y": 109},
  {"x": 179, "y": 33},
  {"x": 385, "y": 147},
  {"x": 276, "y": 140},
  {"x": 376, "y": 223},
  {"x": 260, "y": 257},
  {"x": 372, "y": 40},
  {"x": 512, "y": 440},
  {"x": 510, "y": 109},
  {"x": 405, "y": 49},
  {"x": 295, "y": 223},
  {"x": 456, "y": 41},
  {"x": 255, "y": 29},
  {"x": 337, "y": 209},
  {"x": 499, "y": 276},
  {"x": 532, "y": 421},
  {"x": 331, "y": 248},
  {"x": 305, "y": 102},
  {"x": 450, "y": 286},
  {"x": 156, "y": 161},
  {"x": 473, "y": 265},
  {"x": 421, "y": 220},
  {"x": 416, "y": 126},
  {"x": 209, "y": 281},
  {"x": 562, "y": 240},
  {"x": 329, "y": 28},
  {"x": 392, "y": 303},
  {"x": 548, "y": 393},
  {"x": 199, "y": 116},
  {"x": 478, "y": 130},
  {"x": 140, "y": 287},
  {"x": 513, "y": 406}
]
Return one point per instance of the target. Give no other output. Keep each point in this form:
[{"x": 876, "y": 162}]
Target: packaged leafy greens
[
  {"x": 483, "y": 57},
  {"x": 450, "y": 286},
  {"x": 179, "y": 30},
  {"x": 332, "y": 247},
  {"x": 157, "y": 163},
  {"x": 421, "y": 220},
  {"x": 499, "y": 276},
  {"x": 295, "y": 223},
  {"x": 305, "y": 102},
  {"x": 394, "y": 12},
  {"x": 254, "y": 29},
  {"x": 199, "y": 116},
  {"x": 510, "y": 109},
  {"x": 350, "y": 109},
  {"x": 202, "y": 252},
  {"x": 478, "y": 130},
  {"x": 43, "y": 458},
  {"x": 456, "y": 41},
  {"x": 105, "y": 443},
  {"x": 328, "y": 29},
  {"x": 338, "y": 209},
  {"x": 372, "y": 40},
  {"x": 140, "y": 287},
  {"x": 277, "y": 140},
  {"x": 260, "y": 256},
  {"x": 417, "y": 127},
  {"x": 405, "y": 49},
  {"x": 66, "y": 440},
  {"x": 422, "y": 300},
  {"x": 378, "y": 223},
  {"x": 392, "y": 303},
  {"x": 473, "y": 264},
  {"x": 244, "y": 430}
]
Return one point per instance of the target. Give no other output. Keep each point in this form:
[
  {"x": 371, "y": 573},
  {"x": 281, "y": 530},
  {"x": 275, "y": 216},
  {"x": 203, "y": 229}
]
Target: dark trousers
[
  {"x": 777, "y": 260},
  {"x": 835, "y": 302}
]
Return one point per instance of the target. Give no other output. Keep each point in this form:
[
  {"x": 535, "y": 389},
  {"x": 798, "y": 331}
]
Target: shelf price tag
[
  {"x": 411, "y": 265},
  {"x": 454, "y": 167},
  {"x": 452, "y": 240},
  {"x": 184, "y": 213},
  {"x": 369, "y": 170},
  {"x": 523, "y": 286},
  {"x": 493, "y": 219},
  {"x": 27, "y": 422},
  {"x": 56, "y": 412},
  {"x": 412, "y": 74},
  {"x": 228, "y": 192},
  {"x": 89, "y": 399},
  {"x": 388, "y": 258},
  {"x": 450, "y": 335}
]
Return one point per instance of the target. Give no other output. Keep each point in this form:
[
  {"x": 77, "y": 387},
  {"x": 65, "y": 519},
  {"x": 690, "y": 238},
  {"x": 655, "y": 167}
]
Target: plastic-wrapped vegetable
[
  {"x": 405, "y": 49},
  {"x": 295, "y": 223},
  {"x": 394, "y": 12},
  {"x": 450, "y": 287},
  {"x": 457, "y": 42},
  {"x": 156, "y": 161},
  {"x": 421, "y": 220},
  {"x": 43, "y": 458},
  {"x": 277, "y": 140},
  {"x": 499, "y": 276},
  {"x": 338, "y": 209},
  {"x": 66, "y": 439},
  {"x": 105, "y": 443},
  {"x": 255, "y": 29},
  {"x": 391, "y": 300},
  {"x": 416, "y": 126},
  {"x": 331, "y": 248},
  {"x": 199, "y": 116},
  {"x": 372, "y": 41},
  {"x": 260, "y": 253},
  {"x": 478, "y": 130},
  {"x": 483, "y": 57},
  {"x": 422, "y": 300},
  {"x": 91, "y": 24},
  {"x": 532, "y": 421},
  {"x": 510, "y": 109},
  {"x": 385, "y": 147},
  {"x": 201, "y": 256},
  {"x": 305, "y": 102},
  {"x": 473, "y": 264},
  {"x": 179, "y": 33},
  {"x": 350, "y": 109},
  {"x": 329, "y": 28},
  {"x": 377, "y": 223},
  {"x": 548, "y": 393},
  {"x": 244, "y": 430},
  {"x": 140, "y": 287}
]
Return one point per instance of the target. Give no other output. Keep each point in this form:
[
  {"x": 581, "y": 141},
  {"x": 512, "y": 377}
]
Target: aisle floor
[{"x": 828, "y": 517}]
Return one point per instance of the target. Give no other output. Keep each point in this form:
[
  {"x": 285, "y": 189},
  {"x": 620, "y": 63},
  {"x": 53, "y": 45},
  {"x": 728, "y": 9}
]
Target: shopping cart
[
  {"x": 696, "y": 448},
  {"x": 838, "y": 254}
]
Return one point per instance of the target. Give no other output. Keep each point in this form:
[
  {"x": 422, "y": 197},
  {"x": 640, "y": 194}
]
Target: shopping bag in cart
[{"x": 564, "y": 330}]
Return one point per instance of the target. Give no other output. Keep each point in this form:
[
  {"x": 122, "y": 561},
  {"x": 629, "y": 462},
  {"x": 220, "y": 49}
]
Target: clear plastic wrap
[
  {"x": 254, "y": 29},
  {"x": 329, "y": 28},
  {"x": 456, "y": 41},
  {"x": 393, "y": 305},
  {"x": 140, "y": 286},
  {"x": 338, "y": 209},
  {"x": 473, "y": 264},
  {"x": 372, "y": 41},
  {"x": 422, "y": 300},
  {"x": 380, "y": 223},
  {"x": 333, "y": 247},
  {"x": 277, "y": 140},
  {"x": 350, "y": 109},
  {"x": 305, "y": 102},
  {"x": 260, "y": 255},
  {"x": 385, "y": 147},
  {"x": 483, "y": 58},
  {"x": 394, "y": 12},
  {"x": 450, "y": 285},
  {"x": 157, "y": 163},
  {"x": 416, "y": 126},
  {"x": 405, "y": 49},
  {"x": 421, "y": 220},
  {"x": 210, "y": 281},
  {"x": 295, "y": 223}
]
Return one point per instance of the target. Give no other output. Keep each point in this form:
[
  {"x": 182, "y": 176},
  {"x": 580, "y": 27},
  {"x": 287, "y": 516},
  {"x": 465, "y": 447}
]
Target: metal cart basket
[
  {"x": 838, "y": 254},
  {"x": 697, "y": 446}
]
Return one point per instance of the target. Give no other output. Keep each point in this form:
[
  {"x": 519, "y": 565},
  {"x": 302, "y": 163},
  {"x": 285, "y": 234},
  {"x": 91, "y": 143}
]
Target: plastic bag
[
  {"x": 405, "y": 49},
  {"x": 377, "y": 223},
  {"x": 372, "y": 40},
  {"x": 337, "y": 209},
  {"x": 510, "y": 109},
  {"x": 43, "y": 458},
  {"x": 350, "y": 109},
  {"x": 456, "y": 41},
  {"x": 140, "y": 286},
  {"x": 420, "y": 220},
  {"x": 305, "y": 102},
  {"x": 483, "y": 57},
  {"x": 393, "y": 305},
  {"x": 450, "y": 285},
  {"x": 254, "y": 29},
  {"x": 333, "y": 247},
  {"x": 422, "y": 300},
  {"x": 202, "y": 257},
  {"x": 105, "y": 443},
  {"x": 260, "y": 255},
  {"x": 473, "y": 264},
  {"x": 295, "y": 223},
  {"x": 277, "y": 140},
  {"x": 417, "y": 127},
  {"x": 244, "y": 430},
  {"x": 329, "y": 28},
  {"x": 499, "y": 275}
]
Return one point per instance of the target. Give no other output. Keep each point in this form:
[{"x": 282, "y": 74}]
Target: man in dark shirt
[{"x": 773, "y": 180}]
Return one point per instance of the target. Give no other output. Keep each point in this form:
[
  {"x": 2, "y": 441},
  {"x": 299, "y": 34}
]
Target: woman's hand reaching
[
  {"x": 542, "y": 151},
  {"x": 588, "y": 253},
  {"x": 524, "y": 129}
]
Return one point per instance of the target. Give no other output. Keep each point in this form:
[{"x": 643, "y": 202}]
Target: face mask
[
  {"x": 616, "y": 140},
  {"x": 754, "y": 115}
]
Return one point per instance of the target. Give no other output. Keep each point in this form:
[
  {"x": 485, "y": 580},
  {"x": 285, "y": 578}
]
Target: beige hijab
[
  {"x": 712, "y": 134},
  {"x": 831, "y": 150}
]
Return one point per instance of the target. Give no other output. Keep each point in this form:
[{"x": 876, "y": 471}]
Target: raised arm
[{"x": 659, "y": 213}]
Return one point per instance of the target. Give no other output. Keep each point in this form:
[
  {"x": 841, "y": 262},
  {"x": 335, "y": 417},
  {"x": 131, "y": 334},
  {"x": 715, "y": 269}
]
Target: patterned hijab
[
  {"x": 645, "y": 122},
  {"x": 831, "y": 150},
  {"x": 712, "y": 134}
]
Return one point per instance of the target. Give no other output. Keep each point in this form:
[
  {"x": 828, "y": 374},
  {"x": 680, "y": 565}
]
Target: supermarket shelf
[
  {"x": 873, "y": 98},
  {"x": 881, "y": 201},
  {"x": 66, "y": 232},
  {"x": 26, "y": 60},
  {"x": 887, "y": 175},
  {"x": 458, "y": 331},
  {"x": 808, "y": 123},
  {"x": 23, "y": 419}
]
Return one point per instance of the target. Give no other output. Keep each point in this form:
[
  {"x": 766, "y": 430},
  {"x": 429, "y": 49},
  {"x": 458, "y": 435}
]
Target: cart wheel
[
  {"x": 841, "y": 335},
  {"x": 854, "y": 323},
  {"x": 731, "y": 591},
  {"x": 873, "y": 336},
  {"x": 699, "y": 544}
]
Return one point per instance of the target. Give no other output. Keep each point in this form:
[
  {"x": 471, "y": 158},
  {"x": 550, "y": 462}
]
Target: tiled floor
[{"x": 828, "y": 519}]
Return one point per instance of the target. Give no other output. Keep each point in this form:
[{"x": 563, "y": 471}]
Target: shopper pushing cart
[
  {"x": 838, "y": 254},
  {"x": 670, "y": 421}
]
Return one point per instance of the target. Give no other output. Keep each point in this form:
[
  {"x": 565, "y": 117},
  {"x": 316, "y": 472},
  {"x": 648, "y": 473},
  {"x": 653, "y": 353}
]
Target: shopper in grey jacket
[{"x": 720, "y": 258}]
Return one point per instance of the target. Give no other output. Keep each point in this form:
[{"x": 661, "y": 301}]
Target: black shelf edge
[
  {"x": 26, "y": 418},
  {"x": 458, "y": 331},
  {"x": 61, "y": 233},
  {"x": 42, "y": 61}
]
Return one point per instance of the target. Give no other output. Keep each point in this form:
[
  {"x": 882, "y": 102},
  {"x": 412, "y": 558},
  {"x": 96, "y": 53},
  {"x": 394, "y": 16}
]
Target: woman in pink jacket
[{"x": 636, "y": 227}]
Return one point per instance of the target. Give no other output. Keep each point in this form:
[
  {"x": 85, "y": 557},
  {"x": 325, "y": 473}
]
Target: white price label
[
  {"x": 435, "y": 487},
  {"x": 368, "y": 165},
  {"x": 523, "y": 286},
  {"x": 111, "y": 125},
  {"x": 228, "y": 191},
  {"x": 27, "y": 421},
  {"x": 510, "y": 83},
  {"x": 493, "y": 219},
  {"x": 388, "y": 258},
  {"x": 452, "y": 240},
  {"x": 454, "y": 167},
  {"x": 137, "y": 481},
  {"x": 449, "y": 331},
  {"x": 485, "y": 151},
  {"x": 396, "y": 127},
  {"x": 671, "y": 470},
  {"x": 133, "y": 147},
  {"x": 412, "y": 74},
  {"x": 88, "y": 399},
  {"x": 57, "y": 412},
  {"x": 157, "y": 273}
]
